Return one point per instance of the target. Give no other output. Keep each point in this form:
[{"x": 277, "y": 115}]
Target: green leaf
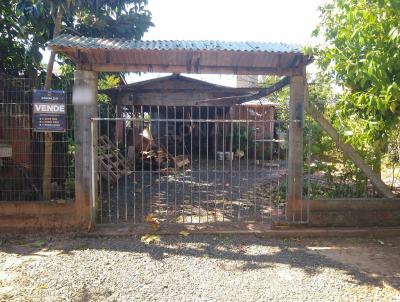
[{"x": 393, "y": 107}]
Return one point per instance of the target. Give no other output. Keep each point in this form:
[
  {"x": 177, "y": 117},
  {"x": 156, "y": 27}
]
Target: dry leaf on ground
[
  {"x": 150, "y": 238},
  {"x": 184, "y": 233}
]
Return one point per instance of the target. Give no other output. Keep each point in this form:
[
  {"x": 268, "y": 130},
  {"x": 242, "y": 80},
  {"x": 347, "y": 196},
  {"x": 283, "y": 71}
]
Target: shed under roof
[
  {"x": 119, "y": 55},
  {"x": 178, "y": 90}
]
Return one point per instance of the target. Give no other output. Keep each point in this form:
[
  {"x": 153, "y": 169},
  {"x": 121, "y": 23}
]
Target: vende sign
[
  {"x": 49, "y": 112},
  {"x": 44, "y": 108}
]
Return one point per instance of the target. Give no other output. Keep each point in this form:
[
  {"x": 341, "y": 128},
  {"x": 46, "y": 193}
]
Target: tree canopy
[
  {"x": 26, "y": 26},
  {"x": 361, "y": 53}
]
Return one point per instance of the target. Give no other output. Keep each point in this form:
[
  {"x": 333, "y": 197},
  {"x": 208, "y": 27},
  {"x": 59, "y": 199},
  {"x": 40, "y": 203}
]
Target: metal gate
[{"x": 198, "y": 164}]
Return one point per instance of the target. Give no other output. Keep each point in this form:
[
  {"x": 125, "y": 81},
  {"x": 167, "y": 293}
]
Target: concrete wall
[
  {"x": 355, "y": 212},
  {"x": 32, "y": 217}
]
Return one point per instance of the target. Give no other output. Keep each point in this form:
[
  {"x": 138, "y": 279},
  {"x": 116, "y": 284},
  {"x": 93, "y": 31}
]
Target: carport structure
[{"x": 93, "y": 55}]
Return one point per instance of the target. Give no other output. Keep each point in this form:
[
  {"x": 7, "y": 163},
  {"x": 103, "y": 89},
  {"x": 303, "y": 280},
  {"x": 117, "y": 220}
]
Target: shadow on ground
[{"x": 367, "y": 261}]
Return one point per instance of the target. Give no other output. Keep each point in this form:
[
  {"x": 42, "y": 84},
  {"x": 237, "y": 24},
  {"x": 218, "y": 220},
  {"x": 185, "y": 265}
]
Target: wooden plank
[
  {"x": 349, "y": 151},
  {"x": 202, "y": 69},
  {"x": 86, "y": 142},
  {"x": 181, "y": 161},
  {"x": 294, "y": 209},
  {"x": 113, "y": 163}
]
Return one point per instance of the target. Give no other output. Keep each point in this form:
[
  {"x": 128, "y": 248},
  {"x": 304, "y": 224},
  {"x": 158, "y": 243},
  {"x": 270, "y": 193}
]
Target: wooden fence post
[
  {"x": 84, "y": 100},
  {"x": 295, "y": 212}
]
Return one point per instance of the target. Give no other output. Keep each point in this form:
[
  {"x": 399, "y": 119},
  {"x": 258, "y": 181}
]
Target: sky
[
  {"x": 290, "y": 21},
  {"x": 233, "y": 20}
]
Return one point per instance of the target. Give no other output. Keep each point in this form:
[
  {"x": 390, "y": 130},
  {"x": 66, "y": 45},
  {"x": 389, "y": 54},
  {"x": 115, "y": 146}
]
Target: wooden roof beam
[
  {"x": 250, "y": 97},
  {"x": 248, "y": 70}
]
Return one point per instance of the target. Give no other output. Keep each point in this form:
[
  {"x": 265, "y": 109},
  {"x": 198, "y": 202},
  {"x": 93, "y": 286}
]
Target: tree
[
  {"x": 101, "y": 18},
  {"x": 361, "y": 54},
  {"x": 18, "y": 56}
]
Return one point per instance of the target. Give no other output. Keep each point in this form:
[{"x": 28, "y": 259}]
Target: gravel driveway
[{"x": 199, "y": 268}]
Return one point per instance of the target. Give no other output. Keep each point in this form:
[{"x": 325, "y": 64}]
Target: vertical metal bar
[
  {"x": 231, "y": 158},
  {"x": 199, "y": 150},
  {"x": 100, "y": 169},
  {"x": 247, "y": 155},
  {"x": 184, "y": 168},
  {"x": 239, "y": 155},
  {"x": 93, "y": 177},
  {"x": 215, "y": 162},
  {"x": 176, "y": 171},
  {"x": 263, "y": 125},
  {"x": 108, "y": 165},
  {"x": 255, "y": 178},
  {"x": 167, "y": 146},
  {"x": 116, "y": 124},
  {"x": 271, "y": 152},
  {"x": 142, "y": 158},
  {"x": 287, "y": 167},
  {"x": 134, "y": 129},
  {"x": 223, "y": 164},
  {"x": 191, "y": 164},
  {"x": 125, "y": 168},
  {"x": 151, "y": 161},
  {"x": 159, "y": 156},
  {"x": 207, "y": 159},
  {"x": 279, "y": 171}
]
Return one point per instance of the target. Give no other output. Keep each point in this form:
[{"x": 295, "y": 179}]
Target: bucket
[
  {"x": 220, "y": 155},
  {"x": 229, "y": 155}
]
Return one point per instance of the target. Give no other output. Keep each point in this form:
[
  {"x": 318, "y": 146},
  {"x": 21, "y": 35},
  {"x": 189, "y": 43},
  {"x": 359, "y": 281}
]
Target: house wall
[{"x": 262, "y": 116}]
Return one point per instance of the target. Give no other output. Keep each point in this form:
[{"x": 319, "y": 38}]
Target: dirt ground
[
  {"x": 199, "y": 268},
  {"x": 221, "y": 191}
]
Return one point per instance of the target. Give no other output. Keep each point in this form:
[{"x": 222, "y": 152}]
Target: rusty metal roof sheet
[{"x": 67, "y": 40}]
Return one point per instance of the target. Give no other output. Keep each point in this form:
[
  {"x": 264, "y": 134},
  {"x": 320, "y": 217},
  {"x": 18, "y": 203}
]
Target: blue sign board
[{"x": 49, "y": 111}]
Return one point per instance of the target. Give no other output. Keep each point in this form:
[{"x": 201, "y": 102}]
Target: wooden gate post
[
  {"x": 84, "y": 99},
  {"x": 295, "y": 211}
]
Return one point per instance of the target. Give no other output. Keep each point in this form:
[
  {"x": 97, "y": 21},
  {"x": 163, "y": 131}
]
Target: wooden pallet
[{"x": 112, "y": 164}]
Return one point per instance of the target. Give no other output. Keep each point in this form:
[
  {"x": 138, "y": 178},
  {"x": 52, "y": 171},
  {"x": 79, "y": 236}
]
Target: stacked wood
[
  {"x": 181, "y": 161},
  {"x": 112, "y": 164},
  {"x": 149, "y": 151},
  {"x": 157, "y": 155}
]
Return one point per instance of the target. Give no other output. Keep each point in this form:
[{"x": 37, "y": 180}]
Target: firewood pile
[
  {"x": 153, "y": 154},
  {"x": 145, "y": 151}
]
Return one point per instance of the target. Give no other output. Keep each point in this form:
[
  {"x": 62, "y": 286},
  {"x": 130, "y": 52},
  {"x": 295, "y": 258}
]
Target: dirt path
[
  {"x": 199, "y": 268},
  {"x": 218, "y": 192}
]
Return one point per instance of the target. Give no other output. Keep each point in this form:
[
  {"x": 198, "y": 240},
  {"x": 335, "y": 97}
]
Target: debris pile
[{"x": 144, "y": 151}]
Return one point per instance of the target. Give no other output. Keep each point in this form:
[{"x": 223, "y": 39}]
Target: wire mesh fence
[
  {"x": 199, "y": 164},
  {"x": 22, "y": 149}
]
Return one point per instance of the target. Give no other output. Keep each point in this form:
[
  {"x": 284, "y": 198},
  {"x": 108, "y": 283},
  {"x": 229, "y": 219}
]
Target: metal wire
[
  {"x": 191, "y": 164},
  {"x": 22, "y": 149}
]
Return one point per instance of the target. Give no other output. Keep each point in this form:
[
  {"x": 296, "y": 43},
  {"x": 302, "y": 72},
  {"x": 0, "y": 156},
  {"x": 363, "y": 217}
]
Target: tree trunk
[
  {"x": 48, "y": 136},
  {"x": 398, "y": 148},
  {"x": 377, "y": 167}
]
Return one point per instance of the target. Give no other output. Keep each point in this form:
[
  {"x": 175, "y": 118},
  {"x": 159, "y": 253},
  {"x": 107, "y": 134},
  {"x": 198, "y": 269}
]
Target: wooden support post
[
  {"x": 84, "y": 100},
  {"x": 349, "y": 151},
  {"x": 295, "y": 212}
]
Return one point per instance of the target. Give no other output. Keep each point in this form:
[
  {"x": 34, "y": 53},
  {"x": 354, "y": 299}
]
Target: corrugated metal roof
[{"x": 67, "y": 40}]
